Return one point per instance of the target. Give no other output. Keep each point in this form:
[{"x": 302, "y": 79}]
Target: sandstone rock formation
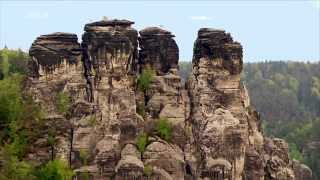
[{"x": 109, "y": 128}]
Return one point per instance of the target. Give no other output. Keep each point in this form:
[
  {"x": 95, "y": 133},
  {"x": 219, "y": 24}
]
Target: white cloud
[
  {"x": 200, "y": 18},
  {"x": 37, "y": 15}
]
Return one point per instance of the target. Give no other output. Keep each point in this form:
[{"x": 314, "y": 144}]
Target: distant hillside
[{"x": 287, "y": 96}]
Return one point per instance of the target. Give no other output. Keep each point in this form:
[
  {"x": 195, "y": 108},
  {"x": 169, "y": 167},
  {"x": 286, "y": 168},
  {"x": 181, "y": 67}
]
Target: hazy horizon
[{"x": 267, "y": 30}]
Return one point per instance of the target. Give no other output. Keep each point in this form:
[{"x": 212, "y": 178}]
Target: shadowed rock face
[
  {"x": 50, "y": 51},
  {"x": 217, "y": 108},
  {"x": 158, "y": 49},
  {"x": 56, "y": 71},
  {"x": 216, "y": 134},
  {"x": 111, "y": 46},
  {"x": 217, "y": 44}
]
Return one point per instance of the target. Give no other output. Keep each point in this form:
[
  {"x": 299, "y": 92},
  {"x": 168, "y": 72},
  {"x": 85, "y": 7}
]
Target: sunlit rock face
[{"x": 216, "y": 134}]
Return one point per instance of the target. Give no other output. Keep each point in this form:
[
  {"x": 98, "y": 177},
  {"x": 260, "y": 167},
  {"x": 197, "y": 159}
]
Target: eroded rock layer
[
  {"x": 107, "y": 124},
  {"x": 158, "y": 49}
]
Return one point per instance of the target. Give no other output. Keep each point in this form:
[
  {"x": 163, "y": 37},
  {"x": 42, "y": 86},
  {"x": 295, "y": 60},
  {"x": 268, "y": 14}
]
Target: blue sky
[{"x": 268, "y": 30}]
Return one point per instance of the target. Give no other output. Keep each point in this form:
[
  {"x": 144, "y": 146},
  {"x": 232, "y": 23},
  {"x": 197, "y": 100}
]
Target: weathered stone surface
[
  {"x": 217, "y": 44},
  {"x": 52, "y": 51},
  {"x": 216, "y": 134},
  {"x": 167, "y": 157},
  {"x": 56, "y": 69},
  {"x": 217, "y": 109},
  {"x": 158, "y": 49}
]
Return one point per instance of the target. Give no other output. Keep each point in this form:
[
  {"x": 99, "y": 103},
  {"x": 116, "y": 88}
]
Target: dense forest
[{"x": 287, "y": 95}]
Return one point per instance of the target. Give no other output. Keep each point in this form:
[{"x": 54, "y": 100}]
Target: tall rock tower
[{"x": 218, "y": 110}]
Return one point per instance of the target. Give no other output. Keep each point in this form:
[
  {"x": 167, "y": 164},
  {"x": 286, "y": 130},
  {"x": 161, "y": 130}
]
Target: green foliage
[
  {"x": 84, "y": 155},
  {"x": 11, "y": 107},
  {"x": 63, "y": 102},
  {"x": 147, "y": 170},
  {"x": 55, "y": 170},
  {"x": 17, "y": 113},
  {"x": 51, "y": 140},
  {"x": 142, "y": 141},
  {"x": 13, "y": 61},
  {"x": 164, "y": 129},
  {"x": 13, "y": 168},
  {"x": 4, "y": 66},
  {"x": 294, "y": 152},
  {"x": 145, "y": 79}
]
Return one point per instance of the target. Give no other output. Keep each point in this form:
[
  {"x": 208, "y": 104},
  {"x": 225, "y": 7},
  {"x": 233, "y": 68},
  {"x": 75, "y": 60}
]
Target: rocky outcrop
[
  {"x": 158, "y": 50},
  {"x": 108, "y": 127},
  {"x": 218, "y": 113},
  {"x": 56, "y": 76}
]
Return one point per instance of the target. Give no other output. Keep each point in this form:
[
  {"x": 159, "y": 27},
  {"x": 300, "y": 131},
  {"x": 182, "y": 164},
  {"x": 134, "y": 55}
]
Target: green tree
[{"x": 4, "y": 63}]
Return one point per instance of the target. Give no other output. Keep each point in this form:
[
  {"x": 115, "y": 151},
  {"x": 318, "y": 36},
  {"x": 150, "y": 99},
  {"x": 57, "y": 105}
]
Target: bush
[
  {"x": 145, "y": 79},
  {"x": 164, "y": 129},
  {"x": 63, "y": 102},
  {"x": 55, "y": 170},
  {"x": 147, "y": 170},
  {"x": 142, "y": 142}
]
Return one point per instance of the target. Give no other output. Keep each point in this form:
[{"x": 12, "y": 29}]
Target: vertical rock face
[
  {"x": 216, "y": 134},
  {"x": 110, "y": 57},
  {"x": 217, "y": 108},
  {"x": 158, "y": 49},
  {"x": 56, "y": 75},
  {"x": 165, "y": 99}
]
